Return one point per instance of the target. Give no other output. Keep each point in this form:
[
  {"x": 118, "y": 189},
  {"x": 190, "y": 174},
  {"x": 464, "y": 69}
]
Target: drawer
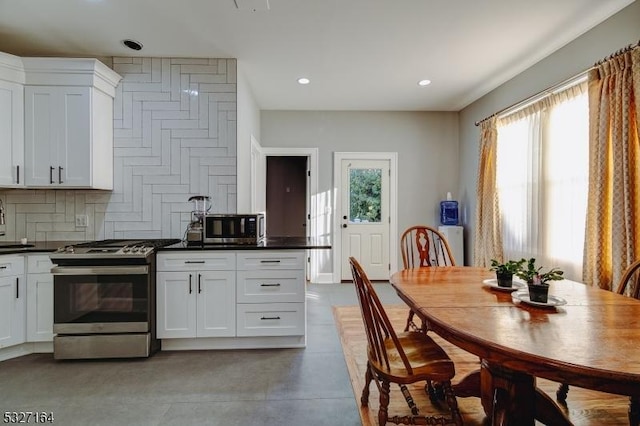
[
  {"x": 271, "y": 260},
  {"x": 270, "y": 286},
  {"x": 270, "y": 319},
  {"x": 196, "y": 261},
  {"x": 11, "y": 265},
  {"x": 39, "y": 264}
]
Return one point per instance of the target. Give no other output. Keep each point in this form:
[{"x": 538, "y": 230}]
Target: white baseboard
[{"x": 324, "y": 278}]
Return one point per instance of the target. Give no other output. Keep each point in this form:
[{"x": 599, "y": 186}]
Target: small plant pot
[
  {"x": 538, "y": 293},
  {"x": 504, "y": 280}
]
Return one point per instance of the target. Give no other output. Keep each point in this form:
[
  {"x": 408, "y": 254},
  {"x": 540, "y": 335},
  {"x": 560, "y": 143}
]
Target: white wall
[
  {"x": 426, "y": 143},
  {"x": 611, "y": 35},
  {"x": 248, "y": 126}
]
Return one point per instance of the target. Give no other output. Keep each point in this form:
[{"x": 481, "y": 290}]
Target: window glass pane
[
  {"x": 566, "y": 172},
  {"x": 542, "y": 179},
  {"x": 364, "y": 195}
]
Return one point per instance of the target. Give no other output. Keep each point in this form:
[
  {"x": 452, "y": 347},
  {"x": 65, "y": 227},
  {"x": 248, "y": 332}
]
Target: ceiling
[{"x": 359, "y": 54}]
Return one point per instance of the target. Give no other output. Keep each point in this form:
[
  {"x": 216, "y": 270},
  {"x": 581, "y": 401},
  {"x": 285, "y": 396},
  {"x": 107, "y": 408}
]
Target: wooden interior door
[{"x": 286, "y": 196}]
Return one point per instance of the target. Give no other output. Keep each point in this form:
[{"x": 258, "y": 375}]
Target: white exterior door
[{"x": 364, "y": 218}]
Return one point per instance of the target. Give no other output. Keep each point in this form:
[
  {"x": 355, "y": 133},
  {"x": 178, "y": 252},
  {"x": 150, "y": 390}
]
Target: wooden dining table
[{"x": 592, "y": 341}]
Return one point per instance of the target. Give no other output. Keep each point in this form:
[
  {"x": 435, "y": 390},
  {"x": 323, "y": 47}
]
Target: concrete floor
[{"x": 241, "y": 387}]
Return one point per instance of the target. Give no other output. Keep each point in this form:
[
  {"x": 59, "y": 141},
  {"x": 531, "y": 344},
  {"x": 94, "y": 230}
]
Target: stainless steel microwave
[{"x": 233, "y": 228}]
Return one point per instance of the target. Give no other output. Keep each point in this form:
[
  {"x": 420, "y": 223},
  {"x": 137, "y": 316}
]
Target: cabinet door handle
[
  {"x": 194, "y": 261},
  {"x": 270, "y": 285},
  {"x": 270, "y": 261},
  {"x": 199, "y": 287},
  {"x": 190, "y": 289},
  {"x": 3, "y": 267},
  {"x": 270, "y": 318},
  {"x": 18, "y": 175},
  {"x": 17, "y": 288},
  {"x": 51, "y": 174},
  {"x": 60, "y": 169}
]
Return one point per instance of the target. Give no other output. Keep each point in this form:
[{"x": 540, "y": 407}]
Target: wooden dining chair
[
  {"x": 400, "y": 358},
  {"x": 629, "y": 286},
  {"x": 420, "y": 246}
]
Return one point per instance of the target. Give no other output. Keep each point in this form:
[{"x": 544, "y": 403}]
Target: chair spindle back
[
  {"x": 424, "y": 246},
  {"x": 376, "y": 322},
  {"x": 630, "y": 282}
]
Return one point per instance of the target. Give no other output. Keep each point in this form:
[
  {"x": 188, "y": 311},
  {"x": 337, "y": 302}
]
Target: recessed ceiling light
[
  {"x": 424, "y": 83},
  {"x": 132, "y": 44},
  {"x": 304, "y": 80}
]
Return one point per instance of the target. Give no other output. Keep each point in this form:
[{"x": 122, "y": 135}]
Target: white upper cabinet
[
  {"x": 68, "y": 117},
  {"x": 11, "y": 121}
]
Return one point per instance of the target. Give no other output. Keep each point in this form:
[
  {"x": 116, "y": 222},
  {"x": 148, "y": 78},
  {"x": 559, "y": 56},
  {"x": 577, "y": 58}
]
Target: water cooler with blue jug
[{"x": 450, "y": 229}]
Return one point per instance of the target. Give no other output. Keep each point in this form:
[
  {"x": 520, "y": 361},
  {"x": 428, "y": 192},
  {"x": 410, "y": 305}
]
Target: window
[
  {"x": 365, "y": 195},
  {"x": 542, "y": 176}
]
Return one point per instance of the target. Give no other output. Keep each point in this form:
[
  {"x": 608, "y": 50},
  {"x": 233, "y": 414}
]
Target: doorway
[
  {"x": 366, "y": 213},
  {"x": 287, "y": 196},
  {"x": 260, "y": 183}
]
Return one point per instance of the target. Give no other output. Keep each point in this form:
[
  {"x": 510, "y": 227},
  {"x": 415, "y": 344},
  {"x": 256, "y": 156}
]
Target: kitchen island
[{"x": 233, "y": 296}]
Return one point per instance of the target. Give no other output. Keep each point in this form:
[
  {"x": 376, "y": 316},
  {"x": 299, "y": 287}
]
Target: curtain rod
[
  {"x": 537, "y": 96},
  {"x": 557, "y": 86}
]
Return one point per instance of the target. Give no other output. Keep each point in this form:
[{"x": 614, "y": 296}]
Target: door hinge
[
  {"x": 308, "y": 216},
  {"x": 309, "y": 259},
  {"x": 309, "y": 173}
]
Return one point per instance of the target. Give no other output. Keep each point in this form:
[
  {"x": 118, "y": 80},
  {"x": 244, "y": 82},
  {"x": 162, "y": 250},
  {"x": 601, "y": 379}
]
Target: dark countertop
[
  {"x": 271, "y": 243},
  {"x": 14, "y": 247}
]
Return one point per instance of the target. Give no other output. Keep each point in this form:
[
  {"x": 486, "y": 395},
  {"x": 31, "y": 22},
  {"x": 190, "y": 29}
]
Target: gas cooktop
[
  {"x": 155, "y": 243},
  {"x": 112, "y": 249}
]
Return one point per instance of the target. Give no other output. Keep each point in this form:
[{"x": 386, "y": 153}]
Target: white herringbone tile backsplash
[{"x": 174, "y": 136}]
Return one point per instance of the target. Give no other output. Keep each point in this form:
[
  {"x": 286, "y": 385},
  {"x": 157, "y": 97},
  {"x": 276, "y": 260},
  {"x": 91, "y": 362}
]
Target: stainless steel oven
[{"x": 104, "y": 299}]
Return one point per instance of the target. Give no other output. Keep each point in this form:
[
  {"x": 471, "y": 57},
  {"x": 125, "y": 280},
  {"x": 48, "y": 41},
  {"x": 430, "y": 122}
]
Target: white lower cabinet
[
  {"x": 271, "y": 319},
  {"x": 254, "y": 298},
  {"x": 271, "y": 293},
  {"x": 12, "y": 301},
  {"x": 196, "y": 295},
  {"x": 39, "y": 299}
]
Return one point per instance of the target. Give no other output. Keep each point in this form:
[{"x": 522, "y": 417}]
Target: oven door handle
[{"x": 100, "y": 270}]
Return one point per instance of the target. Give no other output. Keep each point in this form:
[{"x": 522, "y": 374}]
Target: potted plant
[
  {"x": 537, "y": 281},
  {"x": 505, "y": 271}
]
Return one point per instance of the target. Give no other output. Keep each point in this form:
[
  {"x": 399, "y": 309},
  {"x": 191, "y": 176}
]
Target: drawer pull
[
  {"x": 194, "y": 261},
  {"x": 270, "y": 261},
  {"x": 3, "y": 267},
  {"x": 270, "y": 318},
  {"x": 270, "y": 285}
]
